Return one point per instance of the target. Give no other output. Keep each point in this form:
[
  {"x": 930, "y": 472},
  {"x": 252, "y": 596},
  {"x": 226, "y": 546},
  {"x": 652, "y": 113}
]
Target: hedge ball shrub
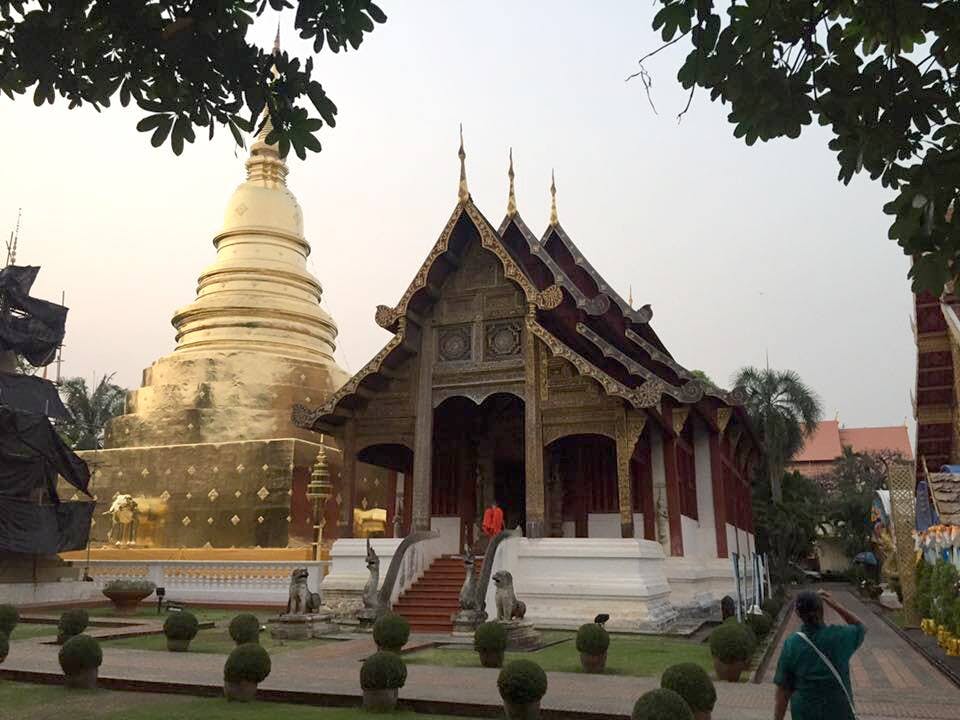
[
  {"x": 760, "y": 624},
  {"x": 732, "y": 642},
  {"x": 391, "y": 631},
  {"x": 521, "y": 682},
  {"x": 181, "y": 626},
  {"x": 490, "y": 636},
  {"x": 245, "y": 628},
  {"x": 127, "y": 585},
  {"x": 80, "y": 653},
  {"x": 9, "y": 617},
  {"x": 693, "y": 684},
  {"x": 592, "y": 639},
  {"x": 383, "y": 671},
  {"x": 247, "y": 663},
  {"x": 772, "y": 606},
  {"x": 661, "y": 704},
  {"x": 72, "y": 622}
]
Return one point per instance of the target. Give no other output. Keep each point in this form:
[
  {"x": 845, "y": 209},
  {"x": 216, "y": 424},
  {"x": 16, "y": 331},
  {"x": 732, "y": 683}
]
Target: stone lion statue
[
  {"x": 301, "y": 600},
  {"x": 124, "y": 512},
  {"x": 508, "y": 606}
]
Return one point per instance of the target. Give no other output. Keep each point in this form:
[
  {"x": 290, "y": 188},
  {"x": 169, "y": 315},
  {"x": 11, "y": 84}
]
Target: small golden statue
[{"x": 125, "y": 514}]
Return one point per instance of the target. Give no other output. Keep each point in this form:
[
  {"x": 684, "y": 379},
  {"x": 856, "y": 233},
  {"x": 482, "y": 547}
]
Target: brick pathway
[{"x": 892, "y": 682}]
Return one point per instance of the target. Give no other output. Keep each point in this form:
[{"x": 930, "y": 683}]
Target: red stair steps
[{"x": 431, "y": 601}]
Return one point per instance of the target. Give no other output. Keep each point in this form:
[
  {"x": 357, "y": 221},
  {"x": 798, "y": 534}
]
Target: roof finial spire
[
  {"x": 276, "y": 40},
  {"x": 553, "y": 200},
  {"x": 630, "y": 297},
  {"x": 463, "y": 193},
  {"x": 511, "y": 198}
]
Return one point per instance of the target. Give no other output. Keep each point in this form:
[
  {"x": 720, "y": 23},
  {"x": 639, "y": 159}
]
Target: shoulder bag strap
[{"x": 833, "y": 670}]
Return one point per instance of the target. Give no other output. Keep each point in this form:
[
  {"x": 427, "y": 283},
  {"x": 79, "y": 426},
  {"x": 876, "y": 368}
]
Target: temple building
[{"x": 517, "y": 373}]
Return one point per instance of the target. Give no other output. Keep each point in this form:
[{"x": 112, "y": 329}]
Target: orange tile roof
[
  {"x": 824, "y": 445},
  {"x": 827, "y": 442}
]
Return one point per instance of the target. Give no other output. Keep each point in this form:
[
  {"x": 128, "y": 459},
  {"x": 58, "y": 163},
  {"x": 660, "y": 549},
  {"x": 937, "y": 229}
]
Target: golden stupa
[{"x": 206, "y": 447}]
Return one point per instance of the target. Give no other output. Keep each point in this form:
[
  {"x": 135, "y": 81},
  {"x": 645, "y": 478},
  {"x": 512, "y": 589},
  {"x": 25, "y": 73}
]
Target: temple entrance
[
  {"x": 478, "y": 456},
  {"x": 383, "y": 486},
  {"x": 582, "y": 492}
]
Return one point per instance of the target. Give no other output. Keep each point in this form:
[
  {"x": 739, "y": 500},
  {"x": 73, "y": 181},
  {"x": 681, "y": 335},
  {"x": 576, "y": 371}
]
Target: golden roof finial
[
  {"x": 553, "y": 200},
  {"x": 463, "y": 194},
  {"x": 276, "y": 40},
  {"x": 630, "y": 297},
  {"x": 511, "y": 198}
]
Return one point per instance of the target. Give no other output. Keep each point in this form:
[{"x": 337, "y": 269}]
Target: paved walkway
[{"x": 892, "y": 681}]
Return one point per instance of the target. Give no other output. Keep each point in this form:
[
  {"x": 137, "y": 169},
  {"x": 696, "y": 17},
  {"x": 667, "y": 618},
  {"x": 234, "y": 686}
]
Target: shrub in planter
[
  {"x": 772, "y": 606},
  {"x": 731, "y": 645},
  {"x": 490, "y": 642},
  {"x": 127, "y": 594},
  {"x": 760, "y": 624},
  {"x": 391, "y": 632},
  {"x": 80, "y": 659},
  {"x": 9, "y": 617},
  {"x": 246, "y": 666},
  {"x": 381, "y": 676},
  {"x": 661, "y": 704},
  {"x": 592, "y": 644},
  {"x": 4, "y": 646},
  {"x": 72, "y": 622},
  {"x": 180, "y": 628},
  {"x": 522, "y": 684},
  {"x": 691, "y": 682},
  {"x": 245, "y": 628}
]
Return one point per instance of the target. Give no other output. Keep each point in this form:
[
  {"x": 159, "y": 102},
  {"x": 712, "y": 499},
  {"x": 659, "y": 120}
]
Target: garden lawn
[
  {"x": 214, "y": 640},
  {"x": 49, "y": 702},
  {"x": 637, "y": 655},
  {"x": 25, "y": 631}
]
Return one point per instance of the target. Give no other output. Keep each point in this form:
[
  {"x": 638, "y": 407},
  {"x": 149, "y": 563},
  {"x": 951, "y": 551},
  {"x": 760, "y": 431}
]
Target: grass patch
[
  {"x": 636, "y": 655},
  {"x": 214, "y": 640},
  {"x": 46, "y": 702},
  {"x": 25, "y": 631}
]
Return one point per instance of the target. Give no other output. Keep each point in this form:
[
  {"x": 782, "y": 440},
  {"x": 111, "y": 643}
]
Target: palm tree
[
  {"x": 784, "y": 411},
  {"x": 89, "y": 412}
]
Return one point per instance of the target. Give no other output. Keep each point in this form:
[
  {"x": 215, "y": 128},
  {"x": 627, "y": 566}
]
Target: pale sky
[{"x": 742, "y": 252}]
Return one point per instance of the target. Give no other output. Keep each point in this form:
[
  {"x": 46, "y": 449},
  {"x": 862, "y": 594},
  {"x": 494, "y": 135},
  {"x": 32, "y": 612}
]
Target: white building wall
[{"x": 707, "y": 543}]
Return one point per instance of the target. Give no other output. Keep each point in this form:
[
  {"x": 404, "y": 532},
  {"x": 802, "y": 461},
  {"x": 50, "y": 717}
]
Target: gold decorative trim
[
  {"x": 679, "y": 419},
  {"x": 550, "y": 298},
  {"x": 511, "y": 197},
  {"x": 939, "y": 342},
  {"x": 723, "y": 418},
  {"x": 935, "y": 415}
]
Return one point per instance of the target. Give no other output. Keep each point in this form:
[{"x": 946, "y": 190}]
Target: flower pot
[
  {"x": 522, "y": 711},
  {"x": 593, "y": 663},
  {"x": 702, "y": 715},
  {"x": 126, "y": 602},
  {"x": 83, "y": 680},
  {"x": 491, "y": 658},
  {"x": 380, "y": 701},
  {"x": 177, "y": 645},
  {"x": 239, "y": 690},
  {"x": 729, "y": 672}
]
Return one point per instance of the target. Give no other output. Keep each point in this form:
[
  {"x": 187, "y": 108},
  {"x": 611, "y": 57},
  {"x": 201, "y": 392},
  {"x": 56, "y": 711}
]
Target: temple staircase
[{"x": 431, "y": 601}]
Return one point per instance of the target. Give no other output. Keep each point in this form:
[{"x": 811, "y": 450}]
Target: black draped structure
[{"x": 30, "y": 327}]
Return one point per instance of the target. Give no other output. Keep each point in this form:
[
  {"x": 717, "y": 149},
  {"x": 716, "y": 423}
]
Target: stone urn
[
  {"x": 239, "y": 690},
  {"x": 522, "y": 711},
  {"x": 729, "y": 672},
  {"x": 380, "y": 701},
  {"x": 491, "y": 658},
  {"x": 593, "y": 663},
  {"x": 126, "y": 595},
  {"x": 82, "y": 680}
]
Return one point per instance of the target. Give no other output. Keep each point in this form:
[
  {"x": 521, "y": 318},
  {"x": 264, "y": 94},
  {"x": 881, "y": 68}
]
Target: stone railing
[{"x": 241, "y": 581}]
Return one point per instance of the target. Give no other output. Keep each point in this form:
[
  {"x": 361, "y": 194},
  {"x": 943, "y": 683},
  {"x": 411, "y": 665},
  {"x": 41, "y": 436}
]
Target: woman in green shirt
[{"x": 804, "y": 679}]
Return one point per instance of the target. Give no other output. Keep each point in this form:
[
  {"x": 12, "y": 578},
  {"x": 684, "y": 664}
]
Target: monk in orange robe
[{"x": 493, "y": 520}]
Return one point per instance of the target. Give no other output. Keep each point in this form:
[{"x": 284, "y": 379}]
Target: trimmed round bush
[
  {"x": 491, "y": 636},
  {"x": 80, "y": 653},
  {"x": 592, "y": 639},
  {"x": 245, "y": 628},
  {"x": 661, "y": 704},
  {"x": 4, "y": 646},
  {"x": 383, "y": 671},
  {"x": 521, "y": 682},
  {"x": 391, "y": 632},
  {"x": 693, "y": 684},
  {"x": 128, "y": 585},
  {"x": 772, "y": 606},
  {"x": 181, "y": 626},
  {"x": 760, "y": 624},
  {"x": 9, "y": 617},
  {"x": 732, "y": 642},
  {"x": 247, "y": 663},
  {"x": 72, "y": 622}
]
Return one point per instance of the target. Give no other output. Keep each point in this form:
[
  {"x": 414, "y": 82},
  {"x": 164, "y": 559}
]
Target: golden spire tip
[
  {"x": 511, "y": 198},
  {"x": 463, "y": 193},
  {"x": 276, "y": 40},
  {"x": 553, "y": 199}
]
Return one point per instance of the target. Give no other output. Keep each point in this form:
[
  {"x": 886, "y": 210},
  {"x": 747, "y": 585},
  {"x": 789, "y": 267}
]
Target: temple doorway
[
  {"x": 582, "y": 494},
  {"x": 478, "y": 456}
]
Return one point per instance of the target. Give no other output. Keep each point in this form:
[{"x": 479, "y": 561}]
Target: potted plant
[
  {"x": 247, "y": 665},
  {"x": 381, "y": 677},
  {"x": 691, "y": 682},
  {"x": 391, "y": 632},
  {"x": 760, "y": 624},
  {"x": 80, "y": 659},
  {"x": 490, "y": 642},
  {"x": 180, "y": 628},
  {"x": 522, "y": 684},
  {"x": 592, "y": 643},
  {"x": 661, "y": 704},
  {"x": 9, "y": 617},
  {"x": 72, "y": 622},
  {"x": 731, "y": 645},
  {"x": 245, "y": 628},
  {"x": 127, "y": 594}
]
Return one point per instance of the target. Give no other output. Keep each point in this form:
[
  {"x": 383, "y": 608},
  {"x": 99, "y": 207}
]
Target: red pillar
[
  {"x": 719, "y": 494},
  {"x": 673, "y": 494}
]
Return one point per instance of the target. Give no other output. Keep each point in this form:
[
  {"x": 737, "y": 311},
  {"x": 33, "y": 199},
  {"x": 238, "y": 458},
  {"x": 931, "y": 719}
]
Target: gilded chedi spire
[
  {"x": 553, "y": 200},
  {"x": 463, "y": 194},
  {"x": 511, "y": 197}
]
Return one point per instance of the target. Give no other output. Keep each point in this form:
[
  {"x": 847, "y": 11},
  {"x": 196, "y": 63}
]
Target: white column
[
  {"x": 707, "y": 540},
  {"x": 658, "y": 475}
]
